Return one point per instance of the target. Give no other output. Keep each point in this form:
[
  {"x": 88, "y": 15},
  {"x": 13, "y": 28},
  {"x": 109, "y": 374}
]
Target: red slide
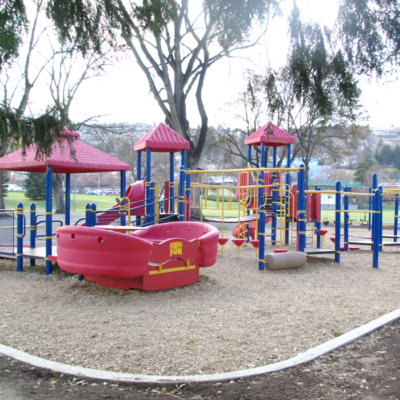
[{"x": 135, "y": 193}]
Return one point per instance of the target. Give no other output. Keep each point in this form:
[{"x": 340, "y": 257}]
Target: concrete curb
[{"x": 301, "y": 358}]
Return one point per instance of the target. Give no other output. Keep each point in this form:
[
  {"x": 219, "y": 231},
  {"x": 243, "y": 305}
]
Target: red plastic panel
[{"x": 83, "y": 250}]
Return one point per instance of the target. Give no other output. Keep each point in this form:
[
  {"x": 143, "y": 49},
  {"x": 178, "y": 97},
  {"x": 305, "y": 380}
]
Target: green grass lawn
[{"x": 102, "y": 202}]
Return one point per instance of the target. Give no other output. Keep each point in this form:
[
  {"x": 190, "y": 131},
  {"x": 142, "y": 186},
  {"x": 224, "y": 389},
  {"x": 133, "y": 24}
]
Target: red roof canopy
[
  {"x": 271, "y": 135},
  {"x": 87, "y": 159},
  {"x": 162, "y": 139}
]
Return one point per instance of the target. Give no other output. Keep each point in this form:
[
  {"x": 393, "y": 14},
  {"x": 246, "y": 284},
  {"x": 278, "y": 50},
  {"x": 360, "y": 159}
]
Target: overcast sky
[{"x": 123, "y": 94}]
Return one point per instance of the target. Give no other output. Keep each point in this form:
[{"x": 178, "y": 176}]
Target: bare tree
[{"x": 67, "y": 72}]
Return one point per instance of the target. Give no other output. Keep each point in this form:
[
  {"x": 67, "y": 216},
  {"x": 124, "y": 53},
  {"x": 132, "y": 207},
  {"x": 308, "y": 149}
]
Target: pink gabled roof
[
  {"x": 162, "y": 139},
  {"x": 271, "y": 135},
  {"x": 86, "y": 159}
]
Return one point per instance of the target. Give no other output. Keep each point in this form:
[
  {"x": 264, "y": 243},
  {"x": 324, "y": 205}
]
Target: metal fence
[{"x": 7, "y": 231}]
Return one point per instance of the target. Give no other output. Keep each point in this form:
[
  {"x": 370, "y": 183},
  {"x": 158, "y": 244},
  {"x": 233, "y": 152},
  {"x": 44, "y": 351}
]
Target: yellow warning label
[{"x": 175, "y": 249}]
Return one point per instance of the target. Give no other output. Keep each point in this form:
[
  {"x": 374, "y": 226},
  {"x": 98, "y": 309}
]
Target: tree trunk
[
  {"x": 59, "y": 194},
  {"x": 2, "y": 202}
]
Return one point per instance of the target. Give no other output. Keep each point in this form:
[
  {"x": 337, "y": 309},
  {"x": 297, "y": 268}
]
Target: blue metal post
[
  {"x": 171, "y": 183},
  {"x": 88, "y": 215},
  {"x": 369, "y": 208},
  {"x": 181, "y": 193},
  {"x": 49, "y": 216},
  {"x": 188, "y": 194},
  {"x": 288, "y": 198},
  {"x": 261, "y": 239},
  {"x": 301, "y": 212},
  {"x": 249, "y": 154},
  {"x": 374, "y": 182},
  {"x": 32, "y": 232},
  {"x": 152, "y": 200},
  {"x": 93, "y": 215},
  {"x": 375, "y": 233},
  {"x": 20, "y": 236},
  {"x": 67, "y": 199},
  {"x": 338, "y": 201},
  {"x": 318, "y": 225},
  {"x": 380, "y": 217},
  {"x": 123, "y": 193},
  {"x": 346, "y": 219},
  {"x": 262, "y": 155},
  {"x": 148, "y": 179},
  {"x": 274, "y": 211},
  {"x": 139, "y": 166},
  {"x": 396, "y": 216},
  {"x": 274, "y": 158},
  {"x": 183, "y": 158}
]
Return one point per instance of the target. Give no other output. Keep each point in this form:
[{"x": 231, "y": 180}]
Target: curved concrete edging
[{"x": 301, "y": 358}]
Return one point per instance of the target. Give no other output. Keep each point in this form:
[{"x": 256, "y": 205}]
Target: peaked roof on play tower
[
  {"x": 162, "y": 139},
  {"x": 271, "y": 135},
  {"x": 85, "y": 159}
]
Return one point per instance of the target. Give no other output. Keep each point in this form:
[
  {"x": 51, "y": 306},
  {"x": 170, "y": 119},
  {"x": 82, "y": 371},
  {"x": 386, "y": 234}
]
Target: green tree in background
[
  {"x": 370, "y": 33},
  {"x": 363, "y": 170},
  {"x": 6, "y": 179},
  {"x": 35, "y": 185}
]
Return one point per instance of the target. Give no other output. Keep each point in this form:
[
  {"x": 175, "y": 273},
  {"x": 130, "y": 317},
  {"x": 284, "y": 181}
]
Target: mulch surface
[{"x": 368, "y": 369}]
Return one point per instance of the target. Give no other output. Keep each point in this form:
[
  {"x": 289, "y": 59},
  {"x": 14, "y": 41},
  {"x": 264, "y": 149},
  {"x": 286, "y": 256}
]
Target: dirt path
[{"x": 368, "y": 369}]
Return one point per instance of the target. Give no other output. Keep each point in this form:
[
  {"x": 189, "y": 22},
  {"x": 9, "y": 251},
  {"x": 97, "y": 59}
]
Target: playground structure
[{"x": 262, "y": 195}]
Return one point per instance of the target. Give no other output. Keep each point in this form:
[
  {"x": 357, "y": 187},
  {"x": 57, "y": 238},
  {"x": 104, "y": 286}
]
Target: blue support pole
[
  {"x": 380, "y": 218},
  {"x": 123, "y": 193},
  {"x": 318, "y": 225},
  {"x": 20, "y": 236},
  {"x": 346, "y": 220},
  {"x": 183, "y": 158},
  {"x": 374, "y": 182},
  {"x": 188, "y": 194},
  {"x": 274, "y": 211},
  {"x": 32, "y": 232},
  {"x": 369, "y": 208},
  {"x": 262, "y": 155},
  {"x": 249, "y": 154},
  {"x": 139, "y": 166},
  {"x": 261, "y": 239},
  {"x": 49, "y": 216},
  {"x": 67, "y": 199},
  {"x": 171, "y": 183},
  {"x": 396, "y": 216},
  {"x": 375, "y": 233},
  {"x": 152, "y": 200},
  {"x": 88, "y": 215},
  {"x": 338, "y": 201},
  {"x": 181, "y": 193},
  {"x": 301, "y": 212},
  {"x": 93, "y": 215},
  {"x": 148, "y": 179},
  {"x": 288, "y": 198},
  {"x": 274, "y": 158}
]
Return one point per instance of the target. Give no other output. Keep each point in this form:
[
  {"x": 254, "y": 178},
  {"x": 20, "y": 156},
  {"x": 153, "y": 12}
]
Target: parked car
[
  {"x": 108, "y": 192},
  {"x": 91, "y": 192},
  {"x": 98, "y": 192},
  {"x": 87, "y": 189}
]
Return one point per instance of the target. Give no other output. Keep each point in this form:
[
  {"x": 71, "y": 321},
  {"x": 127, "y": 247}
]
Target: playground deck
[
  {"x": 247, "y": 218},
  {"x": 309, "y": 250},
  {"x": 37, "y": 253},
  {"x": 369, "y": 243}
]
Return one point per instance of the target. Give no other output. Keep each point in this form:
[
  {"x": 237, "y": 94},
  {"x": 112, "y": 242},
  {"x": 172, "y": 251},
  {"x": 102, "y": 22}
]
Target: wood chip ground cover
[{"x": 235, "y": 317}]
